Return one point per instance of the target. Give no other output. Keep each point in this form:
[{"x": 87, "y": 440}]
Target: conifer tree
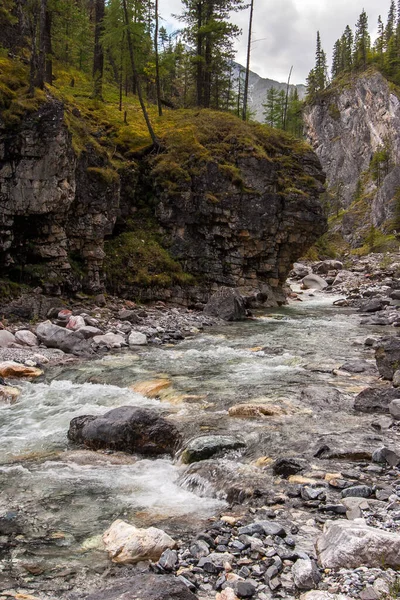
[{"x": 362, "y": 41}]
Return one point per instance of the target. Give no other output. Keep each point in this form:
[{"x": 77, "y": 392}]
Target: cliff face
[
  {"x": 347, "y": 128},
  {"x": 54, "y": 210},
  {"x": 57, "y": 208},
  {"x": 247, "y": 240}
]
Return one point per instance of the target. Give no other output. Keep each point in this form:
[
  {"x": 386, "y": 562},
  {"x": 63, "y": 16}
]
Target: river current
[{"x": 287, "y": 359}]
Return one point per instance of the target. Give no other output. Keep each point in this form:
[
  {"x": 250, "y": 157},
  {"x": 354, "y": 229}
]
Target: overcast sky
[{"x": 286, "y": 30}]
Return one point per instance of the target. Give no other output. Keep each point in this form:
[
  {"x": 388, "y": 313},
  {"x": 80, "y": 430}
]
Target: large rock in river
[
  {"x": 375, "y": 399},
  {"x": 128, "y": 429},
  {"x": 352, "y": 544},
  {"x": 226, "y": 304}
]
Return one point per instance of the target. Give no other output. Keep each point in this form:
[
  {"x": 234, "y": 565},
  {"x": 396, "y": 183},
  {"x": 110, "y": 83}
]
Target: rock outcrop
[
  {"x": 240, "y": 223},
  {"x": 346, "y": 128}
]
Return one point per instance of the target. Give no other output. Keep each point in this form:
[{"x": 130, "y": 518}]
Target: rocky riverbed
[{"x": 284, "y": 479}]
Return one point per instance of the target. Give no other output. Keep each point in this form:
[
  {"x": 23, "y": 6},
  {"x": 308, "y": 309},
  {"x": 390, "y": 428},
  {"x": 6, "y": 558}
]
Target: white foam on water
[{"x": 39, "y": 419}]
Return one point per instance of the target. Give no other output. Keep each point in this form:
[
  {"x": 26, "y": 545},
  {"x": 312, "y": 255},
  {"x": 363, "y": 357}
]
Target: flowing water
[{"x": 64, "y": 497}]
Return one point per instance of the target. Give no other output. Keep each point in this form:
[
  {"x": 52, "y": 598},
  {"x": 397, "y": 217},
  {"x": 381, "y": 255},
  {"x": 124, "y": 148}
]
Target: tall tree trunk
[
  {"x": 33, "y": 63},
  {"x": 158, "y": 87},
  {"x": 153, "y": 136},
  {"x": 48, "y": 48},
  {"x": 207, "y": 60},
  {"x": 287, "y": 100},
  {"x": 246, "y": 81},
  {"x": 199, "y": 68},
  {"x": 98, "y": 57},
  {"x": 41, "y": 62}
]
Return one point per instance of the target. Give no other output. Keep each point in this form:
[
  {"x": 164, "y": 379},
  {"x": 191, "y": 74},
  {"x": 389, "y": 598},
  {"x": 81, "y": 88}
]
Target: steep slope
[{"x": 354, "y": 130}]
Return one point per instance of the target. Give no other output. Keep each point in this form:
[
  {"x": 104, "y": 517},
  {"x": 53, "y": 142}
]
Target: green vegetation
[{"x": 136, "y": 258}]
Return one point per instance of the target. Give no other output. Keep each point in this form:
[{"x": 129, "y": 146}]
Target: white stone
[
  {"x": 305, "y": 574},
  {"x": 314, "y": 282},
  {"x": 127, "y": 544},
  {"x": 137, "y": 339},
  {"x": 394, "y": 409},
  {"x": 396, "y": 378},
  {"x": 110, "y": 340},
  {"x": 6, "y": 338},
  {"x": 26, "y": 337},
  {"x": 352, "y": 544},
  {"x": 75, "y": 323}
]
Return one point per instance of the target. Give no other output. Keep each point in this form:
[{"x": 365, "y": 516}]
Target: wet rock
[
  {"x": 7, "y": 339},
  {"x": 145, "y": 586},
  {"x": 375, "y": 399},
  {"x": 226, "y": 304},
  {"x": 358, "y": 366},
  {"x": 387, "y": 356},
  {"x": 357, "y": 491},
  {"x": 254, "y": 410},
  {"x": 53, "y": 336},
  {"x": 26, "y": 338},
  {"x": 208, "y": 445},
  {"x": 11, "y": 369},
  {"x": 314, "y": 282},
  {"x": 394, "y": 409},
  {"x": 137, "y": 339},
  {"x": 127, "y": 544},
  {"x": 262, "y": 527},
  {"x": 109, "y": 340},
  {"x": 9, "y": 394},
  {"x": 350, "y": 544},
  {"x": 289, "y": 466},
  {"x": 127, "y": 428},
  {"x": 305, "y": 574}
]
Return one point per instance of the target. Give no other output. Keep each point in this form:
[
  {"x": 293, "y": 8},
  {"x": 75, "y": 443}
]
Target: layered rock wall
[
  {"x": 345, "y": 128},
  {"x": 56, "y": 209}
]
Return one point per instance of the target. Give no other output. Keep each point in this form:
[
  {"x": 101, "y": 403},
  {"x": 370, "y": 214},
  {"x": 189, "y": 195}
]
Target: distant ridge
[{"x": 258, "y": 87}]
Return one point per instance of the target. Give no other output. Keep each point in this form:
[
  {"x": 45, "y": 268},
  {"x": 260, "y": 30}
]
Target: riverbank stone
[
  {"x": 375, "y": 399},
  {"x": 53, "y": 336},
  {"x": 129, "y": 429},
  {"x": 394, "y": 409},
  {"x": 127, "y": 544},
  {"x": 206, "y": 446},
  {"x": 351, "y": 544},
  {"x": 314, "y": 282}
]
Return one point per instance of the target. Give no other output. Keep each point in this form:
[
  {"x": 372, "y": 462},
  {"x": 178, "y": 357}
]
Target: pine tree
[
  {"x": 347, "y": 48},
  {"x": 391, "y": 24},
  {"x": 362, "y": 42},
  {"x": 337, "y": 58}
]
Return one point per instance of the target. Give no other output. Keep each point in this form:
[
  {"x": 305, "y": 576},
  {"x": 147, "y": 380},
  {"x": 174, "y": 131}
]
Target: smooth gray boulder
[
  {"x": 352, "y": 544},
  {"x": 314, "y": 282},
  {"x": 129, "y": 429},
  {"x": 137, "y": 339},
  {"x": 26, "y": 337},
  {"x": 226, "y": 304},
  {"x": 109, "y": 340},
  {"x": 206, "y": 446},
  {"x": 53, "y": 336}
]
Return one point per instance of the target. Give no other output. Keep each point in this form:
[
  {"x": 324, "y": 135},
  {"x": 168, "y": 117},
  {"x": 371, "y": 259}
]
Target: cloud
[{"x": 284, "y": 31}]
